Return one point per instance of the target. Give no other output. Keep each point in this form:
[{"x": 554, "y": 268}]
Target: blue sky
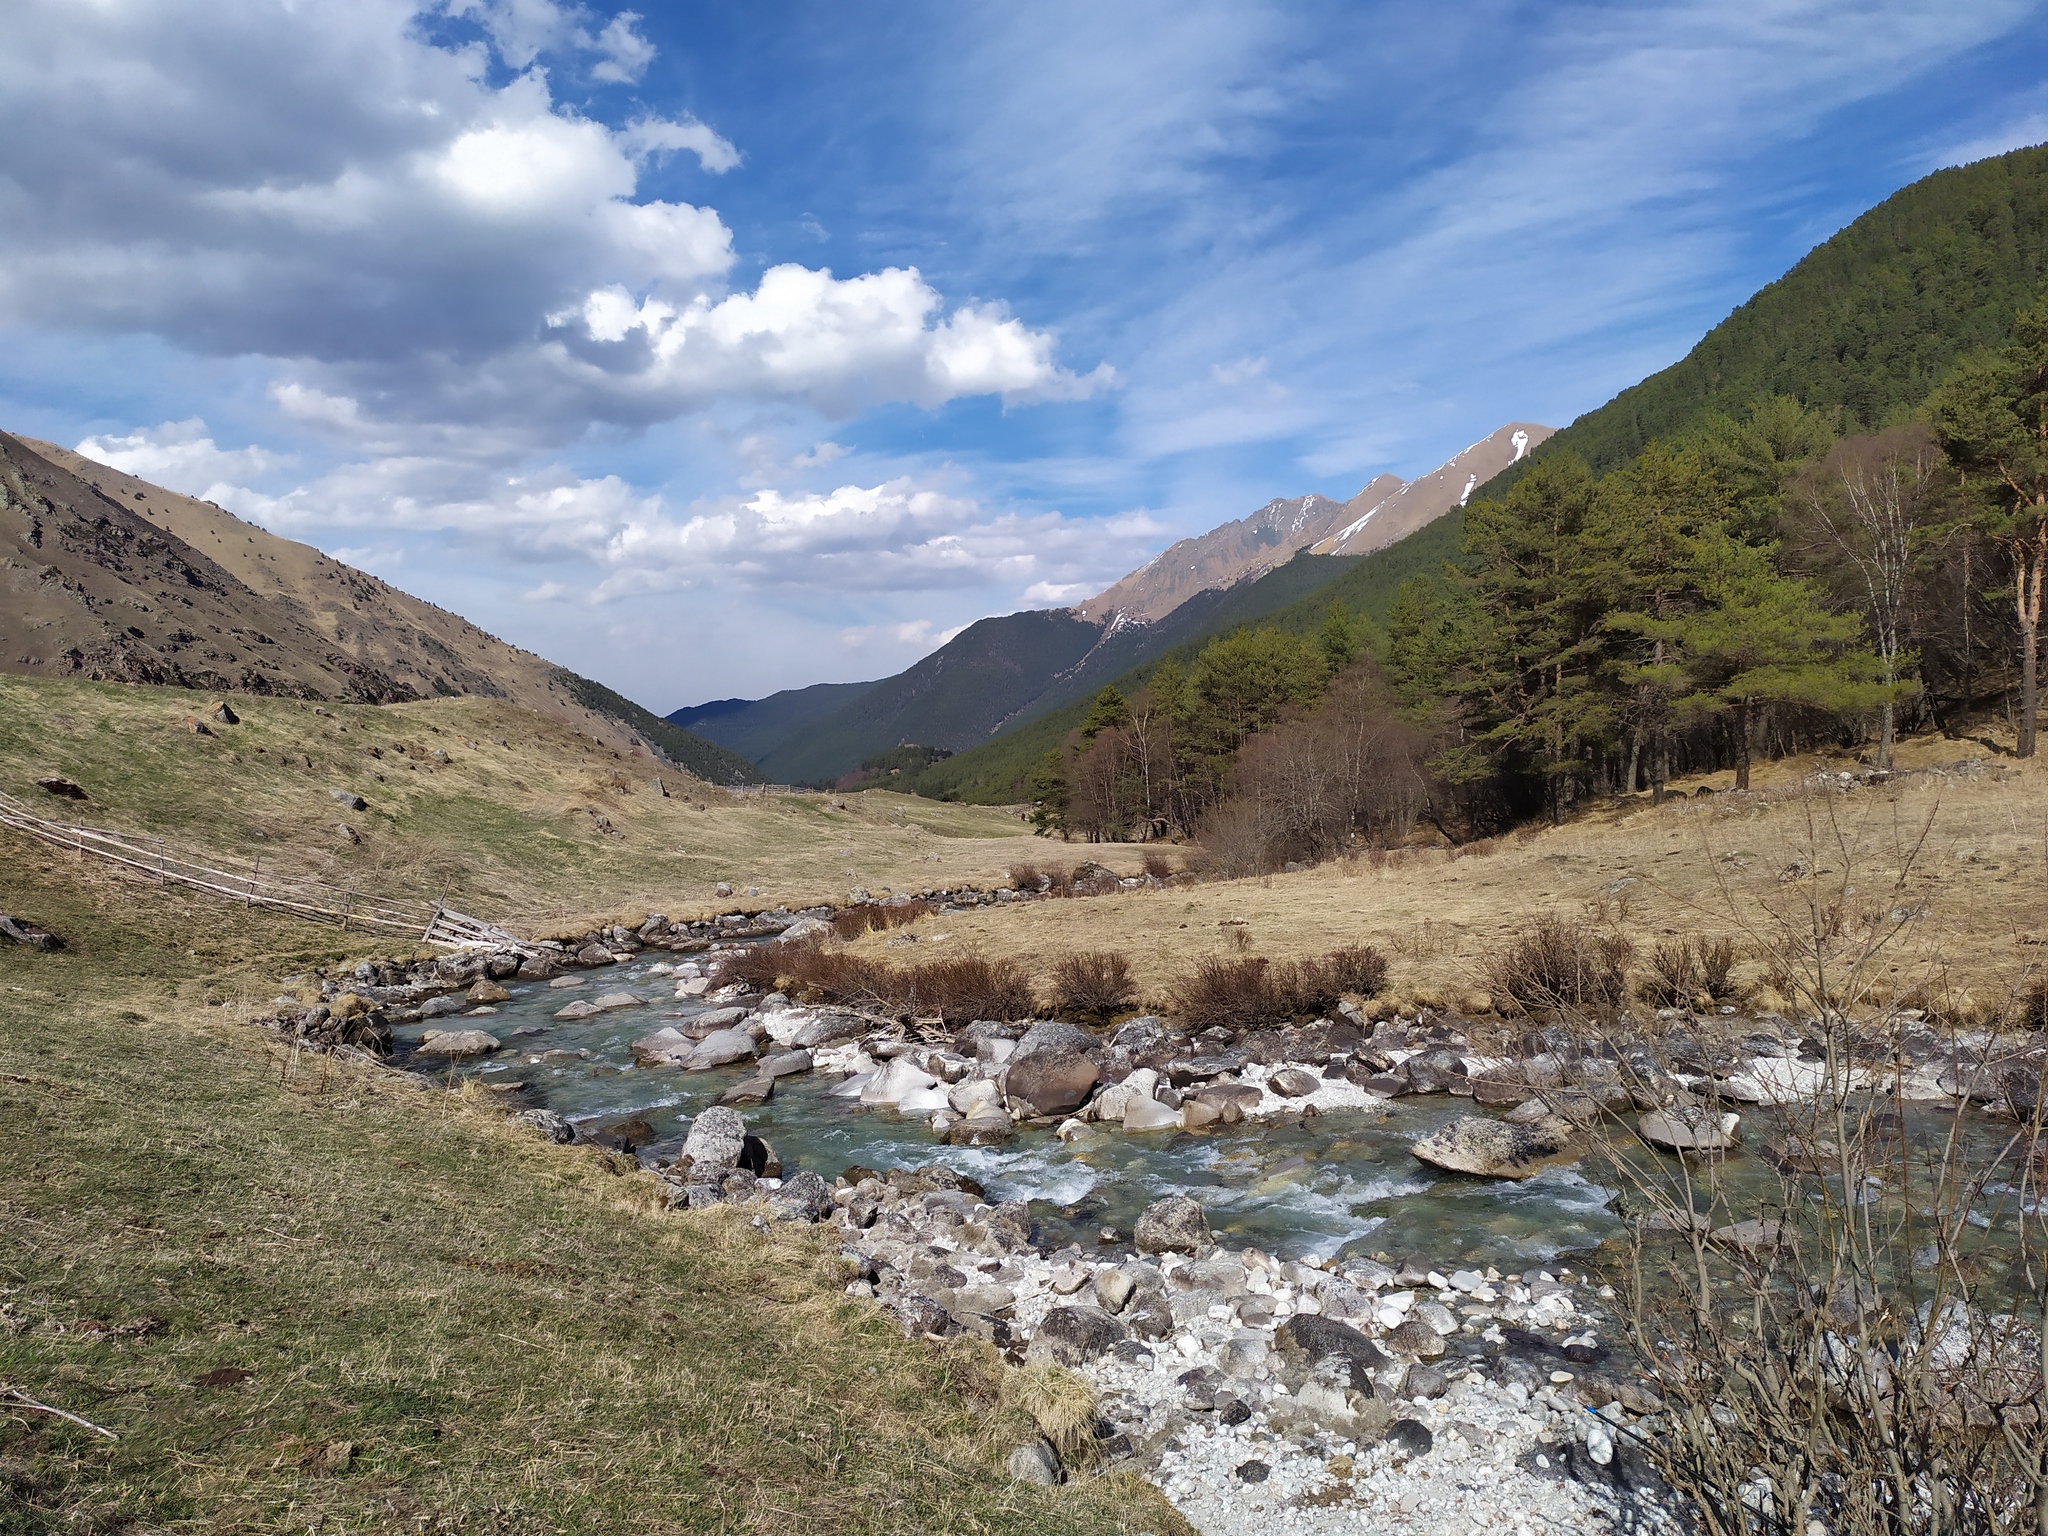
[{"x": 717, "y": 349}]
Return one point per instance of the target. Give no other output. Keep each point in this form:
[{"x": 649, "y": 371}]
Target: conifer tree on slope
[{"x": 1991, "y": 415}]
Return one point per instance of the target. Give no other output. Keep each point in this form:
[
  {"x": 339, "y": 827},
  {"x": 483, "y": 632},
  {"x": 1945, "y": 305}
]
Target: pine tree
[
  {"x": 1108, "y": 712},
  {"x": 1991, "y": 415},
  {"x": 1338, "y": 638},
  {"x": 1756, "y": 638}
]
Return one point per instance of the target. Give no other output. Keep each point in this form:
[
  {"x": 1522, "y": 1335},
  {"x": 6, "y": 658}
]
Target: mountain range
[
  {"x": 110, "y": 578},
  {"x": 1002, "y": 673}
]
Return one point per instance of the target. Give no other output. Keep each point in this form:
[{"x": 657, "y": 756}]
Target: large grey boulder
[
  {"x": 1312, "y": 1340},
  {"x": 1491, "y": 1149},
  {"x": 667, "y": 1045},
  {"x": 715, "y": 1139},
  {"x": 804, "y": 928},
  {"x": 1053, "y": 1068},
  {"x": 1072, "y": 1336},
  {"x": 720, "y": 1049},
  {"x": 827, "y": 1029},
  {"x": 582, "y": 1008},
  {"x": 443, "y": 1007},
  {"x": 805, "y": 1197},
  {"x": 1175, "y": 1224}
]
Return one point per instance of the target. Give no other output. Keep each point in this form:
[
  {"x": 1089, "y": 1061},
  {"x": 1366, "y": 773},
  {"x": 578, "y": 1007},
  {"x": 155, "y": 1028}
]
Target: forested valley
[{"x": 1752, "y": 587}]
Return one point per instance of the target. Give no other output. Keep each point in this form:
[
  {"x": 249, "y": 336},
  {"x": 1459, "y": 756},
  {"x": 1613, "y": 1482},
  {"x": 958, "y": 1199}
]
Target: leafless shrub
[
  {"x": 1243, "y": 993},
  {"x": 1092, "y": 985},
  {"x": 1856, "y": 1348},
  {"x": 1672, "y": 977},
  {"x": 962, "y": 988},
  {"x": 1717, "y": 968},
  {"x": 1555, "y": 964},
  {"x": 959, "y": 988},
  {"x": 1229, "y": 993},
  {"x": 756, "y": 965},
  {"x": 1314, "y": 985},
  {"x": 1026, "y": 877},
  {"x": 1158, "y": 865}
]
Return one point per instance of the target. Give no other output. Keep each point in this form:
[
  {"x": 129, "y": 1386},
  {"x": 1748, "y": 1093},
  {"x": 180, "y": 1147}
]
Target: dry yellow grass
[
  {"x": 551, "y": 829},
  {"x": 1969, "y": 841}
]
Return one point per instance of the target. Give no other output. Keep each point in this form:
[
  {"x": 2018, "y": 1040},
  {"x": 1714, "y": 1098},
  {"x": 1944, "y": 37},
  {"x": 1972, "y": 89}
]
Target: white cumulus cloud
[{"x": 181, "y": 456}]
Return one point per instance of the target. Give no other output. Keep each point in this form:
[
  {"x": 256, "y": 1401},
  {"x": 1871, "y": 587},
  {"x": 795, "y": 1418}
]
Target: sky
[{"x": 715, "y": 349}]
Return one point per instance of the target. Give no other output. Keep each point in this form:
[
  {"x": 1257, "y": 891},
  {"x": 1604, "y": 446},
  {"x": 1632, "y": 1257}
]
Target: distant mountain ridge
[
  {"x": 106, "y": 576},
  {"x": 1005, "y": 672}
]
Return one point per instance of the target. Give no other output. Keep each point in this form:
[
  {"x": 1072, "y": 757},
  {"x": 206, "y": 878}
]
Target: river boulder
[
  {"x": 458, "y": 1044},
  {"x": 1688, "y": 1128},
  {"x": 1053, "y": 1069},
  {"x": 1490, "y": 1149},
  {"x": 715, "y": 1139},
  {"x": 1175, "y": 1224},
  {"x": 719, "y": 1049}
]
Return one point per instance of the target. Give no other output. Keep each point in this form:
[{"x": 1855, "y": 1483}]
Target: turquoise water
[{"x": 1343, "y": 1182}]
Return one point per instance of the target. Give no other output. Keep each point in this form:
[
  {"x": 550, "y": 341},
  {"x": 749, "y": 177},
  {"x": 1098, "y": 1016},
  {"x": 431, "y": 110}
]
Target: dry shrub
[
  {"x": 1717, "y": 968},
  {"x": 852, "y": 922},
  {"x": 1673, "y": 976},
  {"x": 2032, "y": 1002},
  {"x": 964, "y": 988},
  {"x": 757, "y": 965},
  {"x": 1026, "y": 877},
  {"x": 877, "y": 916},
  {"x": 1158, "y": 865},
  {"x": 1556, "y": 964},
  {"x": 959, "y": 989},
  {"x": 1314, "y": 985},
  {"x": 1232, "y": 994},
  {"x": 1480, "y": 848},
  {"x": 1061, "y": 1404},
  {"x": 1240, "y": 994},
  {"x": 1093, "y": 984}
]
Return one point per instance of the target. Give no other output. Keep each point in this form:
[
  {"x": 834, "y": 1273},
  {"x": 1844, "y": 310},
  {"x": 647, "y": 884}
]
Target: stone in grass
[
  {"x": 349, "y": 798},
  {"x": 1175, "y": 1224},
  {"x": 458, "y": 1044},
  {"x": 1072, "y": 1336},
  {"x": 715, "y": 1139},
  {"x": 1491, "y": 1149},
  {"x": 549, "y": 1124},
  {"x": 1035, "y": 1462}
]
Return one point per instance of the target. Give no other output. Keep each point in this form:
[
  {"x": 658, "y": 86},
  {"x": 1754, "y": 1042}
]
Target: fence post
[
  {"x": 347, "y": 901},
  {"x": 250, "y": 900},
  {"x": 161, "y": 878}
]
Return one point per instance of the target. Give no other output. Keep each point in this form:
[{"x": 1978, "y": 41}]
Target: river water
[{"x": 1343, "y": 1182}]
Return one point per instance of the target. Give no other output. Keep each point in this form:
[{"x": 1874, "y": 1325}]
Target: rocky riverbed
[{"x": 1324, "y": 1376}]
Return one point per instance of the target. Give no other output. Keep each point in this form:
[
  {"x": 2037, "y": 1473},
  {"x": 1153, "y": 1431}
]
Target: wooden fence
[{"x": 151, "y": 858}]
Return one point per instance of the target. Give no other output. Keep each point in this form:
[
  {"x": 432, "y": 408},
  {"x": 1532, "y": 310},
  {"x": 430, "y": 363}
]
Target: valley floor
[
  {"x": 307, "y": 1296},
  {"x": 1946, "y": 856}
]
